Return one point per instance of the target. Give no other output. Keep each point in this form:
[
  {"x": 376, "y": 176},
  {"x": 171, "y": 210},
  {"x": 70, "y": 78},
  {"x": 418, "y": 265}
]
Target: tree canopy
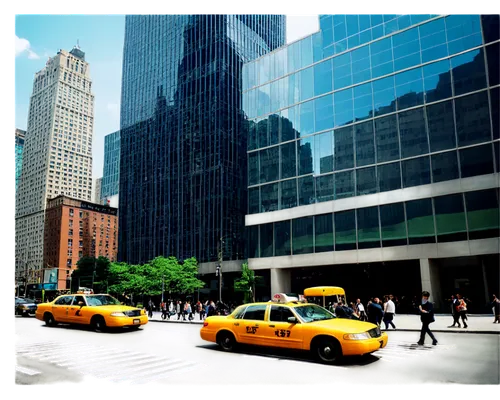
[{"x": 120, "y": 278}]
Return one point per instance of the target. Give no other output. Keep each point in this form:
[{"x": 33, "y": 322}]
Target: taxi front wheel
[
  {"x": 226, "y": 341},
  {"x": 327, "y": 350}
]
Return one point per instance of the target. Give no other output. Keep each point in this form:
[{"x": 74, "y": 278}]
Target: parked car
[{"x": 25, "y": 307}]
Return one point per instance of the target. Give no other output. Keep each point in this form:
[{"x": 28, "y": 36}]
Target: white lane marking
[
  {"x": 67, "y": 357},
  {"x": 261, "y": 358},
  {"x": 390, "y": 356},
  {"x": 27, "y": 371},
  {"x": 120, "y": 371},
  {"x": 89, "y": 361},
  {"x": 169, "y": 374},
  {"x": 98, "y": 365},
  {"x": 148, "y": 372},
  {"x": 314, "y": 364},
  {"x": 110, "y": 366},
  {"x": 52, "y": 351},
  {"x": 402, "y": 353}
]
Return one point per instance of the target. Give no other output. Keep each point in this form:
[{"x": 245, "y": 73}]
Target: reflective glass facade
[
  {"x": 20, "y": 134},
  {"x": 372, "y": 104},
  {"x": 462, "y": 216},
  {"x": 413, "y": 102},
  {"x": 111, "y": 169},
  {"x": 183, "y": 160}
]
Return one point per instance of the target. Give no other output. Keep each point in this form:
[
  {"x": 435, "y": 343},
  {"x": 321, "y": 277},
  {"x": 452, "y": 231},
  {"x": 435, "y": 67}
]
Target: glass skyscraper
[
  {"x": 20, "y": 134},
  {"x": 111, "y": 169},
  {"x": 183, "y": 133},
  {"x": 375, "y": 142}
]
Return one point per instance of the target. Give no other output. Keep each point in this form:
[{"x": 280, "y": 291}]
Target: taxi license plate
[
  {"x": 137, "y": 321},
  {"x": 381, "y": 343}
]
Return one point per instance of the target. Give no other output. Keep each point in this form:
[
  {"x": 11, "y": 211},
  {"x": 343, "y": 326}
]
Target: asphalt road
[{"x": 174, "y": 353}]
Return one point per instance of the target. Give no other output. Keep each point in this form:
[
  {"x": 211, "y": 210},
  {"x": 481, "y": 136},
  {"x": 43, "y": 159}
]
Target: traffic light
[{"x": 217, "y": 270}]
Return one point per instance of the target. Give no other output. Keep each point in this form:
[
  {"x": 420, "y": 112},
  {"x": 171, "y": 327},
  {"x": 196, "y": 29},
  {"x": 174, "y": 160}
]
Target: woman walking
[{"x": 462, "y": 309}]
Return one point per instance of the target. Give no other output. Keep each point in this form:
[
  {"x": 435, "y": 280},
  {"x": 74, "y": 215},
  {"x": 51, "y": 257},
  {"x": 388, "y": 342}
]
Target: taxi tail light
[{"x": 205, "y": 324}]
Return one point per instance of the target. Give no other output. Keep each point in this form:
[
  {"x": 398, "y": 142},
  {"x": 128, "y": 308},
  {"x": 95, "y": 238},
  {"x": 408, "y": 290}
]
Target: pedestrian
[
  {"x": 150, "y": 308},
  {"x": 361, "y": 310},
  {"x": 189, "y": 311},
  {"x": 179, "y": 310},
  {"x": 375, "y": 312},
  {"x": 462, "y": 310},
  {"x": 454, "y": 311},
  {"x": 389, "y": 312},
  {"x": 164, "y": 311},
  {"x": 496, "y": 308},
  {"x": 426, "y": 310}
]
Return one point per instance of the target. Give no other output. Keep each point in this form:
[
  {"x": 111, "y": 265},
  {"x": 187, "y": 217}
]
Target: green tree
[
  {"x": 247, "y": 283},
  {"x": 91, "y": 271}
]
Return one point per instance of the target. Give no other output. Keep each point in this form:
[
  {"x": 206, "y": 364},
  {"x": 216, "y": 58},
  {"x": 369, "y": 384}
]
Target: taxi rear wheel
[
  {"x": 327, "y": 350},
  {"x": 49, "y": 319},
  {"x": 226, "y": 341}
]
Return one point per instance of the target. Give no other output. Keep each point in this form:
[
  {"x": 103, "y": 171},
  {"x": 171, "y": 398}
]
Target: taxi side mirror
[
  {"x": 81, "y": 303},
  {"x": 292, "y": 320}
]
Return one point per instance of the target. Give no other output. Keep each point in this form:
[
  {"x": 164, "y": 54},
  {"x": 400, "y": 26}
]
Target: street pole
[
  {"x": 220, "y": 270},
  {"x": 162, "y": 286}
]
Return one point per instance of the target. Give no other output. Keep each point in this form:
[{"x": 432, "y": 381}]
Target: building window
[
  {"x": 393, "y": 224},
  {"x": 420, "y": 221},
  {"x": 266, "y": 240},
  {"x": 345, "y": 230},
  {"x": 476, "y": 160},
  {"x": 302, "y": 234},
  {"x": 282, "y": 245},
  {"x": 450, "y": 218},
  {"x": 323, "y": 233},
  {"x": 483, "y": 214},
  {"x": 368, "y": 228},
  {"x": 444, "y": 166}
]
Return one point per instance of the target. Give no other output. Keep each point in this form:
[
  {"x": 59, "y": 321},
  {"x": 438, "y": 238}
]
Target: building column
[
  {"x": 281, "y": 281},
  {"x": 429, "y": 276}
]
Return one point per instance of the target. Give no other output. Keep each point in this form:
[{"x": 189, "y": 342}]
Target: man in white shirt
[
  {"x": 361, "y": 310},
  {"x": 389, "y": 311}
]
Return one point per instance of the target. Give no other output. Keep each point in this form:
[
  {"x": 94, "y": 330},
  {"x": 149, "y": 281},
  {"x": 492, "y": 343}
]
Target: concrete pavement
[
  {"x": 176, "y": 355},
  {"x": 404, "y": 322}
]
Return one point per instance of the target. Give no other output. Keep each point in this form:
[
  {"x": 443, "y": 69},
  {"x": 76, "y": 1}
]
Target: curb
[
  {"x": 391, "y": 330},
  {"x": 443, "y": 331}
]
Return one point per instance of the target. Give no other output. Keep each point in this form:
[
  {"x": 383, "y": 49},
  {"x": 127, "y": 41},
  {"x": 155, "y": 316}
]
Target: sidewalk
[{"x": 404, "y": 322}]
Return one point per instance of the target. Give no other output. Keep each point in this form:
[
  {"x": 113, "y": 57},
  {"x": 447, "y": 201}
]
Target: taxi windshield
[
  {"x": 312, "y": 312},
  {"x": 102, "y": 300}
]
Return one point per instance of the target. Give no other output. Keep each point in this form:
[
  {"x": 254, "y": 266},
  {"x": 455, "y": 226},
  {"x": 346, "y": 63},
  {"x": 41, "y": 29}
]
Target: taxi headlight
[
  {"x": 117, "y": 314},
  {"x": 357, "y": 336}
]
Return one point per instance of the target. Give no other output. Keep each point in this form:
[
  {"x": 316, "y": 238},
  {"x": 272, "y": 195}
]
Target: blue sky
[{"x": 101, "y": 38}]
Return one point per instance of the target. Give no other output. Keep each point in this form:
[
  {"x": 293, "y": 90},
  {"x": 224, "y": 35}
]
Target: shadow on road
[
  {"x": 294, "y": 355},
  {"x": 112, "y": 331}
]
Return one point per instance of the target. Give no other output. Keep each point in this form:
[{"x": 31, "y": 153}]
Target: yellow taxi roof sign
[{"x": 320, "y": 291}]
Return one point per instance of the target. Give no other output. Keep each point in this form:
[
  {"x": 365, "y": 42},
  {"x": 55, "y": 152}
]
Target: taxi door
[
  {"x": 77, "y": 314},
  {"x": 281, "y": 332},
  {"x": 252, "y": 328},
  {"x": 60, "y": 308}
]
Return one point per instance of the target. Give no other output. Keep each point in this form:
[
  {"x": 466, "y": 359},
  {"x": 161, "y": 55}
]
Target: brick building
[{"x": 74, "y": 229}]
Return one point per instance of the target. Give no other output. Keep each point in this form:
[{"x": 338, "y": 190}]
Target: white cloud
[{"x": 23, "y": 46}]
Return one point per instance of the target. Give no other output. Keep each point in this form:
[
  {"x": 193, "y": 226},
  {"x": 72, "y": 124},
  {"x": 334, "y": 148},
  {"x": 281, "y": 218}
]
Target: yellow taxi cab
[
  {"x": 285, "y": 322},
  {"x": 100, "y": 311}
]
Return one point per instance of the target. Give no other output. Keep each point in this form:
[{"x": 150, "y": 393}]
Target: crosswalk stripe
[
  {"x": 81, "y": 355},
  {"x": 47, "y": 352},
  {"x": 110, "y": 364},
  {"x": 148, "y": 372},
  {"x": 89, "y": 362},
  {"x": 110, "y": 375},
  {"x": 48, "y": 345},
  {"x": 27, "y": 371},
  {"x": 44, "y": 350},
  {"x": 384, "y": 351},
  {"x": 169, "y": 374},
  {"x": 153, "y": 369},
  {"x": 390, "y": 356}
]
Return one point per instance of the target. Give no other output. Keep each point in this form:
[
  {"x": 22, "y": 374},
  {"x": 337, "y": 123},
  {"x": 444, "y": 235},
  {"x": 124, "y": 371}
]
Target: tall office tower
[
  {"x": 97, "y": 191},
  {"x": 111, "y": 169},
  {"x": 183, "y": 138},
  {"x": 58, "y": 149},
  {"x": 373, "y": 158},
  {"x": 20, "y": 136}
]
